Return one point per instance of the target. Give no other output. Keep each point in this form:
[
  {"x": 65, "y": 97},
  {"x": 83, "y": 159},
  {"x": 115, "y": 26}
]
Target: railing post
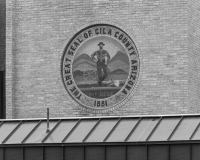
[{"x": 48, "y": 130}]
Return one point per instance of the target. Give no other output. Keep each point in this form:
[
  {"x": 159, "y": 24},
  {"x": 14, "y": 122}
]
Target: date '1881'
[{"x": 100, "y": 103}]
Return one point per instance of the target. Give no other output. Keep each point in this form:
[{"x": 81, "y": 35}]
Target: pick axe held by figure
[{"x": 113, "y": 81}]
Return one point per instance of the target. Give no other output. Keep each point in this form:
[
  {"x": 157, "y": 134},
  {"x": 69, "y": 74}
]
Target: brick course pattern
[
  {"x": 194, "y": 56},
  {"x": 166, "y": 34}
]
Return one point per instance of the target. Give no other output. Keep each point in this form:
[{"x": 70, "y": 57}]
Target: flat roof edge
[{"x": 106, "y": 117}]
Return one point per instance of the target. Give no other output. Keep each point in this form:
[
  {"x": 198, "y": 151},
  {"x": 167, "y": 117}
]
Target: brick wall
[
  {"x": 194, "y": 55},
  {"x": 38, "y": 31},
  {"x": 2, "y": 34}
]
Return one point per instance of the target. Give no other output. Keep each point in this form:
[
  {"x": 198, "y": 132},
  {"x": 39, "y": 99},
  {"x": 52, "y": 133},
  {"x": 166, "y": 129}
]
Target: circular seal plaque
[{"x": 100, "y": 67}]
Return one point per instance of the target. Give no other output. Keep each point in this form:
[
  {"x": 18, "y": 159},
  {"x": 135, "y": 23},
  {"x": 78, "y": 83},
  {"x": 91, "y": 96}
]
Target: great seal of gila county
[{"x": 100, "y": 67}]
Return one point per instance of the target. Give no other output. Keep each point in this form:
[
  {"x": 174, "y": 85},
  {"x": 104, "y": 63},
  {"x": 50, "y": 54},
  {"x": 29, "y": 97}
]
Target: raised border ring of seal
[{"x": 100, "y": 67}]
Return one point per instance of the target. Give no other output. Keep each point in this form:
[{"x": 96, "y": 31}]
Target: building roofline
[{"x": 106, "y": 117}]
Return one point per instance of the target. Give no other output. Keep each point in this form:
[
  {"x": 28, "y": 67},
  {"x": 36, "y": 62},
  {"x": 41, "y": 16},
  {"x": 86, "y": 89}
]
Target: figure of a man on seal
[{"x": 102, "y": 57}]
